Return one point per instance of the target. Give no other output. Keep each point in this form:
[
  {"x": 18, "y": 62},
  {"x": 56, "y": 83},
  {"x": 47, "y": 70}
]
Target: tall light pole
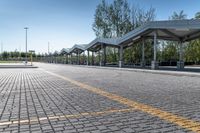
[{"x": 26, "y": 28}]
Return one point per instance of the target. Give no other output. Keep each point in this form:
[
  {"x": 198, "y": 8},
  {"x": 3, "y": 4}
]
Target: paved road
[{"x": 60, "y": 98}]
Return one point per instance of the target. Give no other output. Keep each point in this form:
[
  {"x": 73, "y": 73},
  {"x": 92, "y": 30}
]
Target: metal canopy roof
[
  {"x": 64, "y": 51},
  {"x": 78, "y": 47},
  {"x": 175, "y": 30},
  {"x": 105, "y": 41},
  {"x": 56, "y": 53}
]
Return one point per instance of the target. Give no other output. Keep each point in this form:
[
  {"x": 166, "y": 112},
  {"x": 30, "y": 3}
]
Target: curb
[
  {"x": 15, "y": 66},
  {"x": 164, "y": 72}
]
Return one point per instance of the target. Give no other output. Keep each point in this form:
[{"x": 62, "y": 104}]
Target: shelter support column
[
  {"x": 99, "y": 53},
  {"x": 143, "y": 54},
  {"x": 78, "y": 58},
  {"x": 92, "y": 58},
  {"x": 71, "y": 59},
  {"x": 67, "y": 61},
  {"x": 88, "y": 57},
  {"x": 180, "y": 63},
  {"x": 84, "y": 58},
  {"x": 64, "y": 59},
  {"x": 154, "y": 63},
  {"x": 121, "y": 62},
  {"x": 104, "y": 56}
]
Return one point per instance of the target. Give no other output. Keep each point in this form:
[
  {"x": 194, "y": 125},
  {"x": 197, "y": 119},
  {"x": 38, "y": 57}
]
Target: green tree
[
  {"x": 120, "y": 17},
  {"x": 197, "y": 15},
  {"x": 117, "y": 19},
  {"x": 178, "y": 15},
  {"x": 170, "y": 51},
  {"x": 112, "y": 20},
  {"x": 192, "y": 50},
  {"x": 102, "y": 21},
  {"x": 23, "y": 54},
  {"x": 5, "y": 55},
  {"x": 140, "y": 17}
]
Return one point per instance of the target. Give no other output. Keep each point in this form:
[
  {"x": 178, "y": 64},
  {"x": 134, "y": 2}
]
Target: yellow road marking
[
  {"x": 35, "y": 119},
  {"x": 181, "y": 121}
]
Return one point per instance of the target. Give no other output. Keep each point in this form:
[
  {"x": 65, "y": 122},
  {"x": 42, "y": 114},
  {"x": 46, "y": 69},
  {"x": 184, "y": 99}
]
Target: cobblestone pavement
[{"x": 32, "y": 100}]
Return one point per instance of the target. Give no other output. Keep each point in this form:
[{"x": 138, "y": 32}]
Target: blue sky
[{"x": 64, "y": 23}]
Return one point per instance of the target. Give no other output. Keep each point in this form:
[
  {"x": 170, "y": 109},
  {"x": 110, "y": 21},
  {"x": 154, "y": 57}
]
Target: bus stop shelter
[
  {"x": 77, "y": 49},
  {"x": 100, "y": 44},
  {"x": 65, "y": 53},
  {"x": 173, "y": 30}
]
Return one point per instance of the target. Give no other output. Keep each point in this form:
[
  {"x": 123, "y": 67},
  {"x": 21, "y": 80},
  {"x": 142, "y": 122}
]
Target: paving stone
[{"x": 30, "y": 94}]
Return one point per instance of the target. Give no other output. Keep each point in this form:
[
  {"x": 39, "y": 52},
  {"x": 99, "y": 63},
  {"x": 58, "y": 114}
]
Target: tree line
[
  {"x": 118, "y": 18},
  {"x": 16, "y": 55}
]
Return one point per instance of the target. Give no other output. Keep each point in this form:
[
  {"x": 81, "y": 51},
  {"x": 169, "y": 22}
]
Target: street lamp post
[{"x": 26, "y": 28}]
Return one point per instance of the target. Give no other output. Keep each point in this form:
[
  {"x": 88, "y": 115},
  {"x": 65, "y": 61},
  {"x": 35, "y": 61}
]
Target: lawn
[{"x": 10, "y": 61}]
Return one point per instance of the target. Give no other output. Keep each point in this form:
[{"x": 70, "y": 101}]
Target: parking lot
[{"x": 66, "y": 98}]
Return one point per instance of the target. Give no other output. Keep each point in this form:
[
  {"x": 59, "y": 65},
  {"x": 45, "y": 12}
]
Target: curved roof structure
[
  {"x": 105, "y": 41},
  {"x": 64, "y": 51},
  {"x": 56, "y": 53},
  {"x": 78, "y": 47},
  {"x": 175, "y": 30}
]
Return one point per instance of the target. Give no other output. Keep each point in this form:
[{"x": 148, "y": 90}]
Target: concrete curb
[
  {"x": 16, "y": 66},
  {"x": 165, "y": 72}
]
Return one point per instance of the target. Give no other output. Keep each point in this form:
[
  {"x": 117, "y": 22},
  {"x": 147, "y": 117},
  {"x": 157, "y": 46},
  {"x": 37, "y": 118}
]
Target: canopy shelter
[
  {"x": 54, "y": 57},
  {"x": 56, "y": 53},
  {"x": 100, "y": 44},
  {"x": 65, "y": 53},
  {"x": 77, "y": 49},
  {"x": 173, "y": 30}
]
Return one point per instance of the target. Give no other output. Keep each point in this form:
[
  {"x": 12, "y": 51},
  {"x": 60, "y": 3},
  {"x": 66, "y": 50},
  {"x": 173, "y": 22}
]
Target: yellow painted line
[
  {"x": 35, "y": 119},
  {"x": 180, "y": 121}
]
